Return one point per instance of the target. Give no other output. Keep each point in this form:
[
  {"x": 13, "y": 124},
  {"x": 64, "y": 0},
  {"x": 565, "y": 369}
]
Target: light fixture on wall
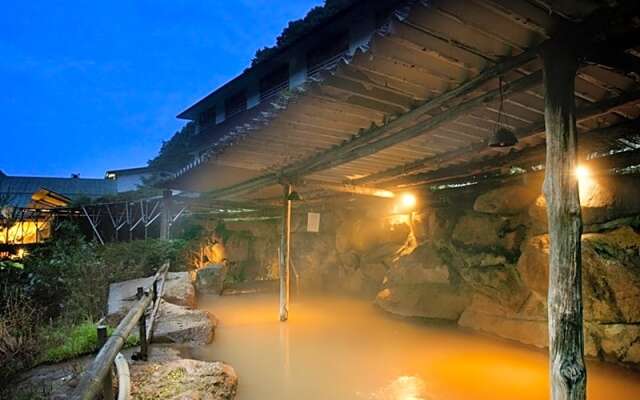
[
  {"x": 502, "y": 137},
  {"x": 294, "y": 196}
]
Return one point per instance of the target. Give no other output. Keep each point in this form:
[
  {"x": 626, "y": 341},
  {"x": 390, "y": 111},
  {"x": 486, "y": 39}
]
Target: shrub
[{"x": 18, "y": 321}]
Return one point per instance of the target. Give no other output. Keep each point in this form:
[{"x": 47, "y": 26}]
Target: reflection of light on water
[{"x": 402, "y": 388}]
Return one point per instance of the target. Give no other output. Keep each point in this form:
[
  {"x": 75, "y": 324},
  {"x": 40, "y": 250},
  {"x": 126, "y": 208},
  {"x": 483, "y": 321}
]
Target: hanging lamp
[{"x": 502, "y": 137}]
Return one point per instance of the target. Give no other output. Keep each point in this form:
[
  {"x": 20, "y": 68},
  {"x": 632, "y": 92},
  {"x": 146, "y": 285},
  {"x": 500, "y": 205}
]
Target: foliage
[
  {"x": 176, "y": 152},
  {"x": 300, "y": 27},
  {"x": 67, "y": 342},
  {"x": 8, "y": 264},
  {"x": 18, "y": 320},
  {"x": 67, "y": 280},
  {"x": 130, "y": 260}
]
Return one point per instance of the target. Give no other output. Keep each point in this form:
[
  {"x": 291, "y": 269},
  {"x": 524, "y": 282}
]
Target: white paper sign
[{"x": 313, "y": 222}]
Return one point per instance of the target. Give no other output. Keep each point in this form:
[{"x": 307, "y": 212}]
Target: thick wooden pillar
[
  {"x": 285, "y": 247},
  {"x": 566, "y": 342}
]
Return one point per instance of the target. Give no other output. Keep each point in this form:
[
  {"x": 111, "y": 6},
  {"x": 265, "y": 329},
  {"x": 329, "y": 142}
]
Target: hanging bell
[{"x": 503, "y": 137}]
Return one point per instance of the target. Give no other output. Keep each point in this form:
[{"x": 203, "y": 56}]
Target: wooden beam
[
  {"x": 478, "y": 170},
  {"x": 358, "y": 140},
  {"x": 421, "y": 127},
  {"x": 481, "y": 147},
  {"x": 352, "y": 189},
  {"x": 568, "y": 373}
]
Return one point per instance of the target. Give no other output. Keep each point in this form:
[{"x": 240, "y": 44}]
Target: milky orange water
[{"x": 347, "y": 349}]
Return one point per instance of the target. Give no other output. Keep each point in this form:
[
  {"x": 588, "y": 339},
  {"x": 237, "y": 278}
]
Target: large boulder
[
  {"x": 238, "y": 245},
  {"x": 499, "y": 282},
  {"x": 177, "y": 324},
  {"x": 365, "y": 280},
  {"x": 528, "y": 325},
  {"x": 433, "y": 225},
  {"x": 602, "y": 199},
  {"x": 184, "y": 379},
  {"x": 506, "y": 200},
  {"x": 210, "y": 279},
  {"x": 610, "y": 273},
  {"x": 428, "y": 300},
  {"x": 488, "y": 232},
  {"x": 364, "y": 235},
  {"x": 489, "y": 273},
  {"x": 423, "y": 265},
  {"x": 178, "y": 289}
]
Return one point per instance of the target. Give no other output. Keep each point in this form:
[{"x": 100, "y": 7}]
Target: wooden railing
[{"x": 97, "y": 378}]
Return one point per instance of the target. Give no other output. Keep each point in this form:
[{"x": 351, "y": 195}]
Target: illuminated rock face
[{"x": 482, "y": 262}]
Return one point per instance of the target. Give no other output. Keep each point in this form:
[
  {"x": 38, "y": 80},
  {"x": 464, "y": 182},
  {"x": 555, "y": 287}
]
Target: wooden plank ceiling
[{"x": 396, "y": 114}]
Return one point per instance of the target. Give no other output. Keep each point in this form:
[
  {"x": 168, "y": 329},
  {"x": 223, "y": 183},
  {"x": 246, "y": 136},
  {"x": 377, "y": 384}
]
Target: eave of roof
[
  {"x": 418, "y": 55},
  {"x": 265, "y": 65}
]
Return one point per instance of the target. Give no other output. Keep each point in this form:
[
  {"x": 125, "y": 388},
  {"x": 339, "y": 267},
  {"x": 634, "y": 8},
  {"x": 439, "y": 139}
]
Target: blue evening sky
[{"x": 87, "y": 86}]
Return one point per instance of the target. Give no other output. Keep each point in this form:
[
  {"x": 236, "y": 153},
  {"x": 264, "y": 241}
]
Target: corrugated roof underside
[{"x": 420, "y": 54}]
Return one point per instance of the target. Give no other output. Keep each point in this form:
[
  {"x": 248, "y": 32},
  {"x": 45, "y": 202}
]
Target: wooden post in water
[
  {"x": 285, "y": 246},
  {"x": 566, "y": 342}
]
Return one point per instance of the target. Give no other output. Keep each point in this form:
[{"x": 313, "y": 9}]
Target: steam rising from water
[{"x": 335, "y": 349}]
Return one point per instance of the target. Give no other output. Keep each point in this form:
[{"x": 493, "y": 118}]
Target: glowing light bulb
[
  {"x": 408, "y": 200},
  {"x": 582, "y": 172}
]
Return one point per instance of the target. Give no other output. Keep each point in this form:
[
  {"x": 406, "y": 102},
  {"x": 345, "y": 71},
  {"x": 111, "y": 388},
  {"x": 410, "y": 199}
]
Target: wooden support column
[
  {"x": 285, "y": 247},
  {"x": 566, "y": 342},
  {"x": 165, "y": 222}
]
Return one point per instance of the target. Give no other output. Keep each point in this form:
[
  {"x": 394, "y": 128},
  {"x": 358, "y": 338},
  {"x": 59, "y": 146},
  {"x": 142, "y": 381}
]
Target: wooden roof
[{"x": 419, "y": 102}]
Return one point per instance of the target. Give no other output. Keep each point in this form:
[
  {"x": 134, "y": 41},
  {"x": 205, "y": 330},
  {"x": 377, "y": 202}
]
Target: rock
[
  {"x": 210, "y": 279},
  {"x": 538, "y": 216},
  {"x": 617, "y": 342},
  {"x": 633, "y": 353},
  {"x": 433, "y": 226},
  {"x": 122, "y": 295},
  {"x": 184, "y": 379},
  {"x": 364, "y": 235},
  {"x": 488, "y": 316},
  {"x": 434, "y": 301},
  {"x": 424, "y": 265},
  {"x": 506, "y": 200},
  {"x": 610, "y": 273},
  {"x": 374, "y": 272},
  {"x": 178, "y": 289},
  {"x": 500, "y": 282},
  {"x": 602, "y": 199},
  {"x": 486, "y": 231},
  {"x": 177, "y": 324},
  {"x": 533, "y": 264},
  {"x": 237, "y": 247}
]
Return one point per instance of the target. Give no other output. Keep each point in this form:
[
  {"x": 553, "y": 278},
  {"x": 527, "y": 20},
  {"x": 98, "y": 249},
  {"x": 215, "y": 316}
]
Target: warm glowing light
[
  {"x": 21, "y": 253},
  {"x": 408, "y": 200},
  {"x": 582, "y": 172}
]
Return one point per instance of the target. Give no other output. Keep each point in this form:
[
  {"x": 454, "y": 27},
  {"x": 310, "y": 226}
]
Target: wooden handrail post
[
  {"x": 144, "y": 346},
  {"x": 142, "y": 327},
  {"x": 155, "y": 290},
  {"x": 107, "y": 384},
  {"x": 568, "y": 374}
]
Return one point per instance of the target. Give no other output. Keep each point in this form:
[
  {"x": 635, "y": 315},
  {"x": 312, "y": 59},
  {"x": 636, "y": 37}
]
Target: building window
[
  {"x": 327, "y": 54},
  {"x": 208, "y": 116},
  {"x": 274, "y": 82},
  {"x": 235, "y": 104}
]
